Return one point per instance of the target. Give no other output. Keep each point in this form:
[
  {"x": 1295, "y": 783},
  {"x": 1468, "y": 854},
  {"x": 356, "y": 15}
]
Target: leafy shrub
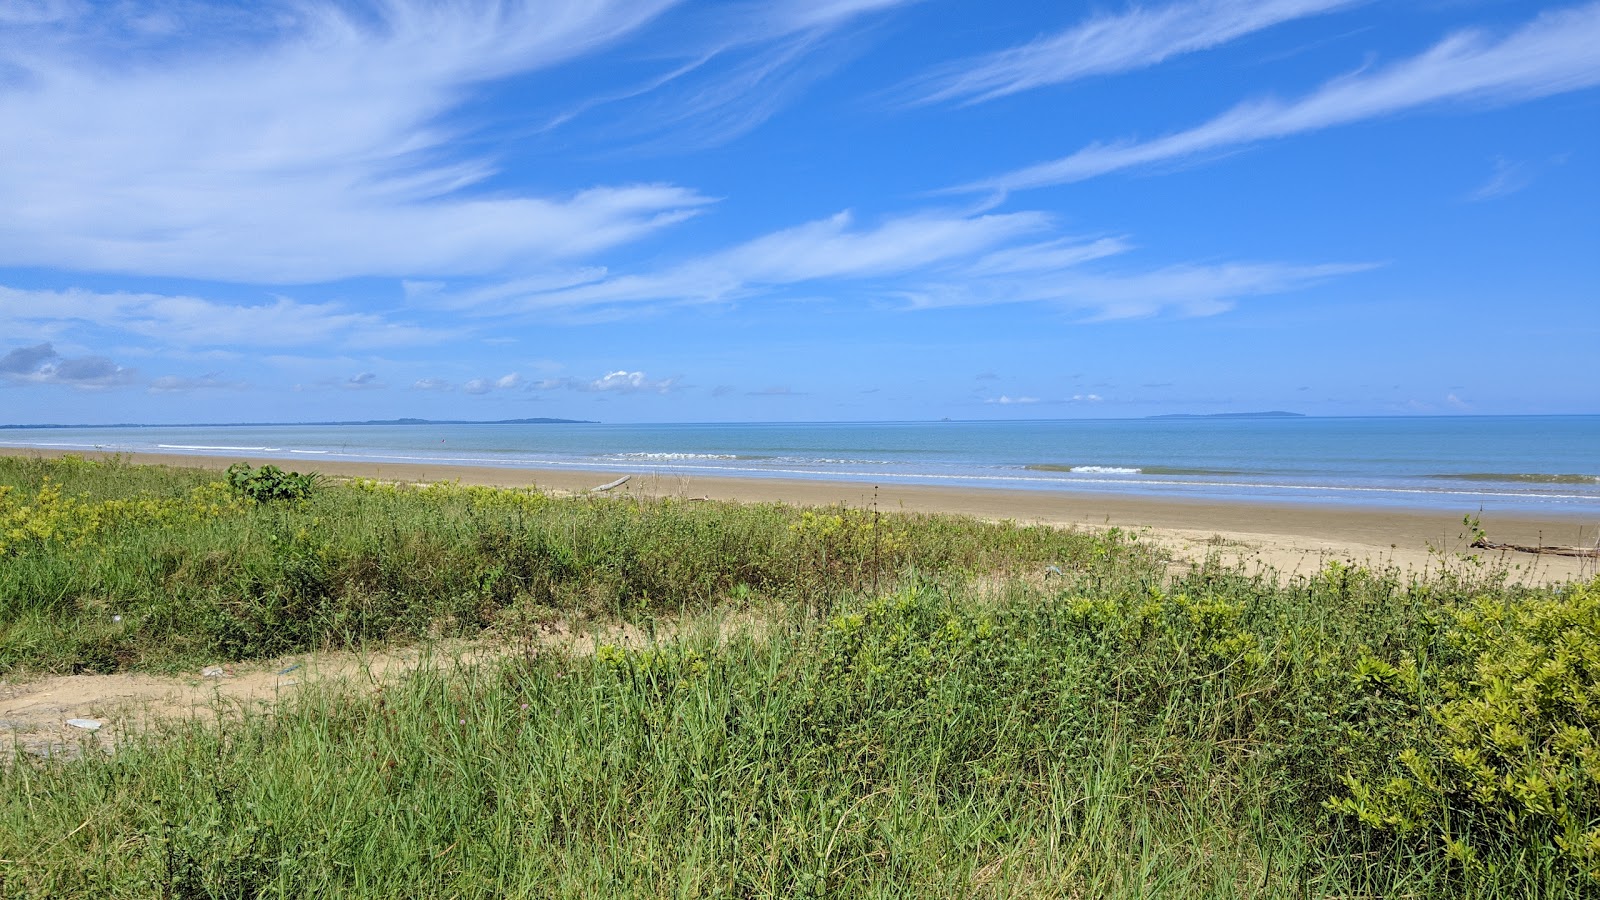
[
  {"x": 1507, "y": 744},
  {"x": 269, "y": 483}
]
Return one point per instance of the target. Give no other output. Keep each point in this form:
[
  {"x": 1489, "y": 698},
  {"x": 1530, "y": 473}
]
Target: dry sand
[{"x": 1292, "y": 540}]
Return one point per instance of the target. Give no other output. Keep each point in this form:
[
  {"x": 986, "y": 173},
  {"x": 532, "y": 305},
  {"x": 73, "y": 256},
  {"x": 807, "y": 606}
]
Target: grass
[
  {"x": 889, "y": 725},
  {"x": 109, "y": 566}
]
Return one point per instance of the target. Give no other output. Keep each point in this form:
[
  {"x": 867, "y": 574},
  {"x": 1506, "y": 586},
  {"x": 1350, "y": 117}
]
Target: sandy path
[{"x": 35, "y": 712}]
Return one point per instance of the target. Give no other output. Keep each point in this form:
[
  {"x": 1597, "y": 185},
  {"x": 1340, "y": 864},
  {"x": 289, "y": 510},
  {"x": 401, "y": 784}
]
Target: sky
[{"x": 796, "y": 210}]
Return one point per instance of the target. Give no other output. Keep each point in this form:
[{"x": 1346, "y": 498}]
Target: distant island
[
  {"x": 1269, "y": 414},
  {"x": 283, "y": 424}
]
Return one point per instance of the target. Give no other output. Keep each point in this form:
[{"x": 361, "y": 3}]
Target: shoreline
[{"x": 1294, "y": 539}]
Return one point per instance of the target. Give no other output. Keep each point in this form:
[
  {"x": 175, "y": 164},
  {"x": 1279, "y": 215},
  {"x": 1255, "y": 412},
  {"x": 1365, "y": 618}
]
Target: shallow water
[{"x": 1527, "y": 463}]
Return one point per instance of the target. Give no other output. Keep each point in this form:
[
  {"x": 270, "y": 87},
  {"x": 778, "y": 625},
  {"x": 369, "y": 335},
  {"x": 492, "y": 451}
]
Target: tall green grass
[
  {"x": 112, "y": 566},
  {"x": 927, "y": 741}
]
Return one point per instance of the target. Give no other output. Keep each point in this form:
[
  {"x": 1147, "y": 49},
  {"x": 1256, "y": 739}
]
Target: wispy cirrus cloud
[
  {"x": 929, "y": 260},
  {"x": 1508, "y": 178},
  {"x": 308, "y": 145},
  {"x": 1184, "y": 290},
  {"x": 1140, "y": 37},
  {"x": 1554, "y": 53},
  {"x": 193, "y": 322},
  {"x": 733, "y": 68},
  {"x": 834, "y": 248}
]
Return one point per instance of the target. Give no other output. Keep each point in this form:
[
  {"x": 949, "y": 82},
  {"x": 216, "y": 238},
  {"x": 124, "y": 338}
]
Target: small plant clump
[{"x": 269, "y": 483}]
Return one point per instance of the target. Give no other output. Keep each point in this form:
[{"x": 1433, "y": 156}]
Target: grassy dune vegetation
[{"x": 911, "y": 710}]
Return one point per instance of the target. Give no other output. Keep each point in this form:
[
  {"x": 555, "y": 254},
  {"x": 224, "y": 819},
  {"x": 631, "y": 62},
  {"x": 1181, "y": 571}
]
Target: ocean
[{"x": 1524, "y": 463}]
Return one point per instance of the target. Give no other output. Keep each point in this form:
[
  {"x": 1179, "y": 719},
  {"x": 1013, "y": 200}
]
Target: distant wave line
[
  {"x": 1522, "y": 477},
  {"x": 1128, "y": 470},
  {"x": 229, "y": 449}
]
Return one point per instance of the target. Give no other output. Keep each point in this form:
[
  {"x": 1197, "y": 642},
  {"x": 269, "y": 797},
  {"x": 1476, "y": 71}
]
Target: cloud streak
[
  {"x": 310, "y": 149},
  {"x": 190, "y": 322},
  {"x": 1552, "y": 54},
  {"x": 1136, "y": 39},
  {"x": 923, "y": 261}
]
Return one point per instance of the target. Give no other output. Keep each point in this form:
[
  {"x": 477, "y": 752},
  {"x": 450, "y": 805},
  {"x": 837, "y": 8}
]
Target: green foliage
[
  {"x": 1505, "y": 744},
  {"x": 887, "y": 725},
  {"x": 269, "y": 483},
  {"x": 110, "y": 567}
]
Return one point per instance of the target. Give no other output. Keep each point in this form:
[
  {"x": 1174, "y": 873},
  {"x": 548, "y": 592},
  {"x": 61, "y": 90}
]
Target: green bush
[
  {"x": 1506, "y": 743},
  {"x": 270, "y": 483}
]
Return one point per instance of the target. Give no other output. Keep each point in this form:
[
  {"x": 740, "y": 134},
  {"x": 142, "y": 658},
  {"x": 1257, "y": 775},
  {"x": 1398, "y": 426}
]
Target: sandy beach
[{"x": 1293, "y": 539}]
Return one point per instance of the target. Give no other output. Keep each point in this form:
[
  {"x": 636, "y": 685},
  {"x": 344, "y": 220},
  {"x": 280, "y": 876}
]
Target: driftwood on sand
[
  {"x": 1481, "y": 544},
  {"x": 610, "y": 484}
]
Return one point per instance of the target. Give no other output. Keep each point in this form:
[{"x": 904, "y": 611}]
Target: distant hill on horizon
[
  {"x": 1269, "y": 414},
  {"x": 540, "y": 421}
]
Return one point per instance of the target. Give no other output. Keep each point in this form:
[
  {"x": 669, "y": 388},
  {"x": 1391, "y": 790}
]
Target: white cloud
[
  {"x": 192, "y": 322},
  {"x": 1005, "y": 400},
  {"x": 831, "y": 248},
  {"x": 1552, "y": 54},
  {"x": 626, "y": 382},
  {"x": 1191, "y": 290},
  {"x": 1141, "y": 37},
  {"x": 736, "y": 65},
  {"x": 432, "y": 384},
  {"x": 308, "y": 151},
  {"x": 923, "y": 261}
]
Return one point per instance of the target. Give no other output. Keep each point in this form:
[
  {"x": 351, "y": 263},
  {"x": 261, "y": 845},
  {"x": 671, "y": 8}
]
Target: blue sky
[{"x": 642, "y": 210}]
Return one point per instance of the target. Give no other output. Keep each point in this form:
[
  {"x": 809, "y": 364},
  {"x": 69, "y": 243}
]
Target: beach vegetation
[
  {"x": 267, "y": 483},
  {"x": 948, "y": 723}
]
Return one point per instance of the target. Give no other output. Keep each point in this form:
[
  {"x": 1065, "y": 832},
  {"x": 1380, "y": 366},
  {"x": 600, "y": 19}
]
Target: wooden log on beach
[{"x": 1583, "y": 551}]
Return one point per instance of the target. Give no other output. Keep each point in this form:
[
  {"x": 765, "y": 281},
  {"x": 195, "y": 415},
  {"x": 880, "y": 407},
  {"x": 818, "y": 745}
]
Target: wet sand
[{"x": 1291, "y": 538}]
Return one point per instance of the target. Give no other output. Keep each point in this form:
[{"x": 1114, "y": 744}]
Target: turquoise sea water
[{"x": 1529, "y": 463}]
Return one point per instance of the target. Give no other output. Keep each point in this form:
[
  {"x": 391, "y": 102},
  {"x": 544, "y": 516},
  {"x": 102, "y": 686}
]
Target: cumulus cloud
[
  {"x": 625, "y": 382},
  {"x": 1006, "y": 400},
  {"x": 26, "y": 360},
  {"x": 41, "y": 364}
]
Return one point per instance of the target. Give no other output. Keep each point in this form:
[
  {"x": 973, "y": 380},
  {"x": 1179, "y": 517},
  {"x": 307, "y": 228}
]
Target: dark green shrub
[{"x": 269, "y": 483}]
